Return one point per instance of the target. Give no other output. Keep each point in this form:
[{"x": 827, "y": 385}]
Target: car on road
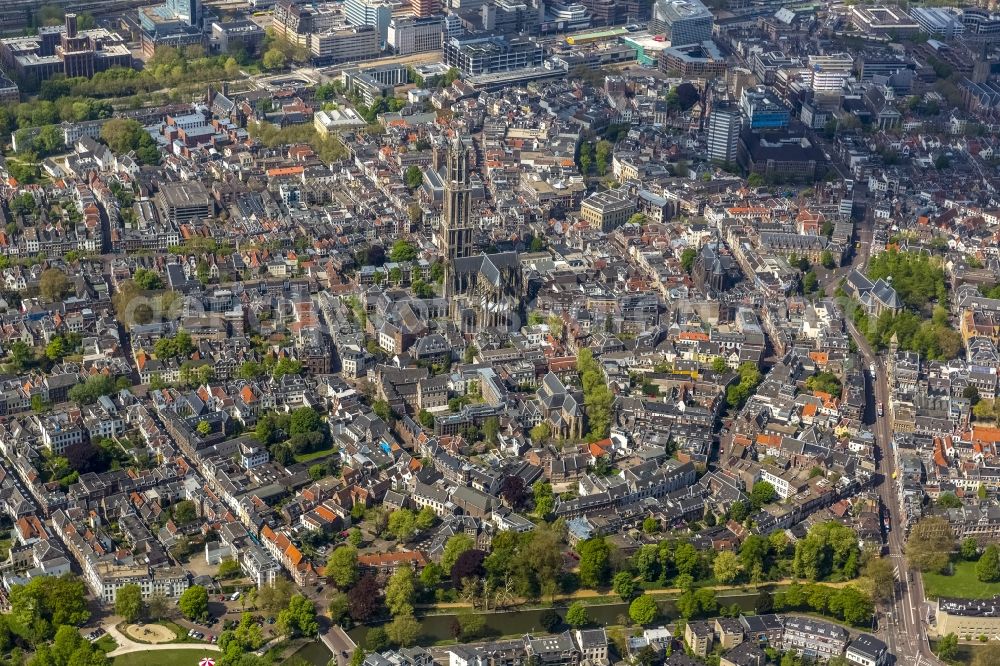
[{"x": 881, "y": 411}]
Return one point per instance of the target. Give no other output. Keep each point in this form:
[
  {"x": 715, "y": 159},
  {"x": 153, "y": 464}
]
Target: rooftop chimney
[{"x": 71, "y": 25}]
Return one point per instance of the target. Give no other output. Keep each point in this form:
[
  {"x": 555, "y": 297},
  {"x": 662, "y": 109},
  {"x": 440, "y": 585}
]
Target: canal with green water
[{"x": 438, "y": 627}]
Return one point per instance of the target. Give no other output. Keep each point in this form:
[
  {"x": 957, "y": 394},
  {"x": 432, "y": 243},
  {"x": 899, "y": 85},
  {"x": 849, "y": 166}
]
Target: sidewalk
[
  {"x": 527, "y": 604},
  {"x": 126, "y": 645}
]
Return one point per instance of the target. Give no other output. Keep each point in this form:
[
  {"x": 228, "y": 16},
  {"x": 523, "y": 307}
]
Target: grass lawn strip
[
  {"x": 962, "y": 584},
  {"x": 180, "y": 657}
]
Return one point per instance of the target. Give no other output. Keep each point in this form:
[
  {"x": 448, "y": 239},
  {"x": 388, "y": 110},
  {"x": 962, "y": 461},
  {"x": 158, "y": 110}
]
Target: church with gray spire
[{"x": 483, "y": 290}]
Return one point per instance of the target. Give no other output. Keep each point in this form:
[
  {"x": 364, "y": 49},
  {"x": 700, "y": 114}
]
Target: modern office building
[
  {"x": 505, "y": 17},
  {"x": 175, "y": 23},
  {"x": 63, "y": 50},
  {"x": 765, "y": 66},
  {"x": 779, "y": 156},
  {"x": 830, "y": 72},
  {"x": 374, "y": 82},
  {"x": 703, "y": 60},
  {"x": 8, "y": 90},
  {"x": 344, "y": 44},
  {"x": 617, "y": 12},
  {"x": 296, "y": 23},
  {"x": 184, "y": 202},
  {"x": 938, "y": 22},
  {"x": 375, "y": 13},
  {"x": 871, "y": 65},
  {"x": 484, "y": 55},
  {"x": 763, "y": 109},
  {"x": 453, "y": 27},
  {"x": 189, "y": 11},
  {"x": 980, "y": 25},
  {"x": 232, "y": 36},
  {"x": 682, "y": 21},
  {"x": 884, "y": 20},
  {"x": 326, "y": 31},
  {"x": 425, "y": 8},
  {"x": 724, "y": 125},
  {"x": 609, "y": 209},
  {"x": 458, "y": 6},
  {"x": 564, "y": 17},
  {"x": 968, "y": 617},
  {"x": 411, "y": 34}
]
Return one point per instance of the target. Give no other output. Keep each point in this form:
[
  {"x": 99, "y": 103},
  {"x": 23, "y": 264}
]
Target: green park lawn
[
  {"x": 313, "y": 455},
  {"x": 962, "y": 583},
  {"x": 179, "y": 657},
  {"x": 105, "y": 643}
]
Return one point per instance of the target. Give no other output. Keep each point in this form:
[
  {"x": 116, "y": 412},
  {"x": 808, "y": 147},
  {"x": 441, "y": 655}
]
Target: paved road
[
  {"x": 903, "y": 629},
  {"x": 339, "y": 643},
  {"x": 126, "y": 645}
]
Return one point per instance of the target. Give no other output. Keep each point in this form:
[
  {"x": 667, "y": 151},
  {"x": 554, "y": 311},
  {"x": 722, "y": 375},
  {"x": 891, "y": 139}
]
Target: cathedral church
[{"x": 485, "y": 290}]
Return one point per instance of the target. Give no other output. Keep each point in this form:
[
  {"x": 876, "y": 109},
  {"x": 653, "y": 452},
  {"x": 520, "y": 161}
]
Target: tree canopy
[
  {"x": 917, "y": 278},
  {"x": 826, "y": 382},
  {"x": 299, "y": 618},
  {"x": 124, "y": 135},
  {"x": 193, "y": 602},
  {"x": 54, "y": 285},
  {"x": 128, "y": 602},
  {"x": 342, "y": 566},
  {"x": 595, "y": 562},
  {"x": 403, "y": 250},
  {"x": 247, "y": 636},
  {"x": 643, "y": 610},
  {"x": 930, "y": 544},
  {"x": 828, "y": 552},
  {"x": 737, "y": 394},
  {"x": 597, "y": 397},
  {"x": 46, "y": 603},
  {"x": 988, "y": 566}
]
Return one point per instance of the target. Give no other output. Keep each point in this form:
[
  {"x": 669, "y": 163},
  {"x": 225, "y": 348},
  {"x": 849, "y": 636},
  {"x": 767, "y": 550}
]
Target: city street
[{"x": 903, "y": 626}]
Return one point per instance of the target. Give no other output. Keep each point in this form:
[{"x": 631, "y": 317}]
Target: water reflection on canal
[{"x": 439, "y": 627}]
